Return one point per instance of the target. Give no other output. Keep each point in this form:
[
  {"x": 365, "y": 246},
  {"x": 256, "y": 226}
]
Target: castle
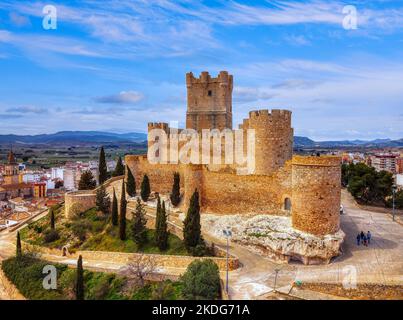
[{"x": 307, "y": 188}]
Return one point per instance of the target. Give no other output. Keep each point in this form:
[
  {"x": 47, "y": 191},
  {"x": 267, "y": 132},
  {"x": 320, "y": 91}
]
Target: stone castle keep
[{"x": 307, "y": 188}]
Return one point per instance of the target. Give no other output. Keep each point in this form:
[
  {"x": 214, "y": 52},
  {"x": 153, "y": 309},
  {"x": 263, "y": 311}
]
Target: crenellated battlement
[
  {"x": 223, "y": 78},
  {"x": 158, "y": 125},
  {"x": 265, "y": 114}
]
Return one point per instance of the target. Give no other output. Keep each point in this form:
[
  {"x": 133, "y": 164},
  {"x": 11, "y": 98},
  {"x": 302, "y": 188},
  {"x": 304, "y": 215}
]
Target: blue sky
[{"x": 116, "y": 65}]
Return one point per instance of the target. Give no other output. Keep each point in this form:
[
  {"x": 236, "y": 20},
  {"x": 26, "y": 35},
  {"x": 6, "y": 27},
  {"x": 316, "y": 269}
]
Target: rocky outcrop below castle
[{"x": 274, "y": 237}]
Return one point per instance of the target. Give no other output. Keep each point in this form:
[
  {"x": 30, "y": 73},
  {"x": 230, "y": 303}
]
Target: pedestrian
[
  {"x": 362, "y": 235},
  {"x": 369, "y": 235},
  {"x": 358, "y": 239},
  {"x": 365, "y": 240},
  {"x": 341, "y": 209}
]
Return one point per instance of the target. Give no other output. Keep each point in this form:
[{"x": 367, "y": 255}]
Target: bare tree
[{"x": 140, "y": 267}]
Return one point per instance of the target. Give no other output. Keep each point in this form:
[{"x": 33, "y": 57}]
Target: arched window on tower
[{"x": 287, "y": 204}]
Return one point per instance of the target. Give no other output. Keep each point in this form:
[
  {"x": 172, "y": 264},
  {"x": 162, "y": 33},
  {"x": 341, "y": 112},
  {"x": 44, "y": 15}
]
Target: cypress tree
[
  {"x": 161, "y": 232},
  {"x": 157, "y": 219},
  {"x": 175, "y": 194},
  {"x": 52, "y": 219},
  {"x": 192, "y": 228},
  {"x": 158, "y": 212},
  {"x": 87, "y": 181},
  {"x": 119, "y": 169},
  {"x": 102, "y": 168},
  {"x": 122, "y": 217},
  {"x": 145, "y": 188},
  {"x": 115, "y": 214},
  {"x": 139, "y": 230},
  {"x": 80, "y": 279},
  {"x": 18, "y": 246},
  {"x": 131, "y": 183},
  {"x": 103, "y": 201}
]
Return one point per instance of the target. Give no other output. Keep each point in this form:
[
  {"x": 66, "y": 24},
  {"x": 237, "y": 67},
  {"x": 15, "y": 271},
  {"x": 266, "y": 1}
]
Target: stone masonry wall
[
  {"x": 316, "y": 193},
  {"x": 79, "y": 201},
  {"x": 161, "y": 175},
  {"x": 228, "y": 193},
  {"x": 220, "y": 192},
  {"x": 163, "y": 261}
]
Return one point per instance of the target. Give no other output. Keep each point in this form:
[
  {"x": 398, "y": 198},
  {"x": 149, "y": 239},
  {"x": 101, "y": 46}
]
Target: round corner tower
[
  {"x": 316, "y": 193},
  {"x": 273, "y": 138},
  {"x": 193, "y": 180}
]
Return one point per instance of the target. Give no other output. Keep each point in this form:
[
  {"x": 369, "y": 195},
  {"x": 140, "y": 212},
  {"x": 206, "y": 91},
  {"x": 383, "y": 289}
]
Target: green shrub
[
  {"x": 38, "y": 229},
  {"x": 201, "y": 281},
  {"x": 143, "y": 293},
  {"x": 51, "y": 236},
  {"x": 163, "y": 291},
  {"x": 200, "y": 250}
]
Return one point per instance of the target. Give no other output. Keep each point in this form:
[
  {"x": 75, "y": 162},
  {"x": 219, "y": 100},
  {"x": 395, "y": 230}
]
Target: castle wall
[
  {"x": 220, "y": 192},
  {"x": 78, "y": 201},
  {"x": 228, "y": 193},
  {"x": 161, "y": 176},
  {"x": 316, "y": 194}
]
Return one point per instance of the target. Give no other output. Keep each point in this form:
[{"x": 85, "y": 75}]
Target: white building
[
  {"x": 69, "y": 178},
  {"x": 57, "y": 173}
]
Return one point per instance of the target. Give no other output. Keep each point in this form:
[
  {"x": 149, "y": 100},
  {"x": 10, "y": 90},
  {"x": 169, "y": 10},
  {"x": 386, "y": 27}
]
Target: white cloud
[{"x": 124, "y": 97}]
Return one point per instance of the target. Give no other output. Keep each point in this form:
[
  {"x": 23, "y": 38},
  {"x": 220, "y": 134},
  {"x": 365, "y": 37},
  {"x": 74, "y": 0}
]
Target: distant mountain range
[
  {"x": 303, "y": 142},
  {"x": 74, "y": 137},
  {"x": 77, "y": 137}
]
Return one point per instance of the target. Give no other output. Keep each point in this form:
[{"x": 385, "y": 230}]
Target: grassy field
[
  {"x": 95, "y": 233},
  {"x": 26, "y": 274}
]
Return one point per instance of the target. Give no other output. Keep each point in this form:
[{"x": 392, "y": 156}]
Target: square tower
[{"x": 209, "y": 101}]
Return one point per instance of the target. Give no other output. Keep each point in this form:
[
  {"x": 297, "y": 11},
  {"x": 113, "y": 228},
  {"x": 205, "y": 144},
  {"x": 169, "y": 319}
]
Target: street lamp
[
  {"x": 394, "y": 188},
  {"x": 227, "y": 234}
]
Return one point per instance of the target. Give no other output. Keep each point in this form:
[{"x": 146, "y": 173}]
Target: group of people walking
[{"x": 364, "y": 239}]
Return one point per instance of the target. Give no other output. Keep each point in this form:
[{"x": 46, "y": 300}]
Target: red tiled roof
[{"x": 18, "y": 216}]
